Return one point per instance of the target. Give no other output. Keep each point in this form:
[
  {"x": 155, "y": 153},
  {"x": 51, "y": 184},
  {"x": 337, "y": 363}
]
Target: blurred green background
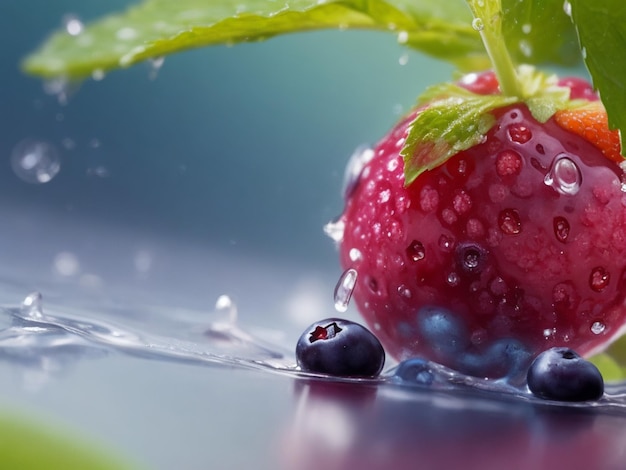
[{"x": 242, "y": 148}]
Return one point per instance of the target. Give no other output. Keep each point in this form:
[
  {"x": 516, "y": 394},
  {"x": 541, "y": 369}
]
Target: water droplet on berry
[
  {"x": 597, "y": 327},
  {"x": 509, "y": 222},
  {"x": 508, "y": 163},
  {"x": 35, "y": 161},
  {"x": 416, "y": 251},
  {"x": 599, "y": 279},
  {"x": 564, "y": 176},
  {"x": 355, "y": 255},
  {"x": 453, "y": 279},
  {"x": 31, "y": 307},
  {"x": 335, "y": 229},
  {"x": 519, "y": 133},
  {"x": 548, "y": 332},
  {"x": 561, "y": 228},
  {"x": 478, "y": 24},
  {"x": 446, "y": 243},
  {"x": 404, "y": 291},
  {"x": 344, "y": 289},
  {"x": 357, "y": 161}
]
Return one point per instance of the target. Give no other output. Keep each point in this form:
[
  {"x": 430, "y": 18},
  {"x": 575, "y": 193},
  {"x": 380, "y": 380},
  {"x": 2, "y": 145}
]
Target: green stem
[{"x": 488, "y": 21}]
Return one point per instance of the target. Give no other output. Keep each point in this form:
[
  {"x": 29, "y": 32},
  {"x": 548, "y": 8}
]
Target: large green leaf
[
  {"x": 155, "y": 28},
  {"x": 601, "y": 26},
  {"x": 28, "y": 446}
]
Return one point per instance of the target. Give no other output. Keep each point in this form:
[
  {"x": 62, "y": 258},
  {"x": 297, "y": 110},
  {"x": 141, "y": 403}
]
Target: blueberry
[
  {"x": 505, "y": 357},
  {"x": 443, "y": 330},
  {"x": 561, "y": 374},
  {"x": 341, "y": 348},
  {"x": 414, "y": 371}
]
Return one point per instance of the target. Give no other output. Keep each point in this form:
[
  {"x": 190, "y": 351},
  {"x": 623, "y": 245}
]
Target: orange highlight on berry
[{"x": 591, "y": 123}]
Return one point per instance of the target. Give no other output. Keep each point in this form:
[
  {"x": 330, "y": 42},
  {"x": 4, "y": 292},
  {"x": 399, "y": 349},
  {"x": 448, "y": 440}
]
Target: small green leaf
[
  {"x": 455, "y": 122},
  {"x": 609, "y": 368},
  {"x": 601, "y": 26}
]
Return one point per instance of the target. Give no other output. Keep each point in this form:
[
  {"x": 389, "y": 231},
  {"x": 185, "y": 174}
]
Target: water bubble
[
  {"x": 35, "y": 161},
  {"x": 599, "y": 279},
  {"x": 72, "y": 24},
  {"x": 561, "y": 228},
  {"x": 478, "y": 24},
  {"x": 32, "y": 306},
  {"x": 335, "y": 228},
  {"x": 564, "y": 176},
  {"x": 416, "y": 251},
  {"x": 225, "y": 306},
  {"x": 404, "y": 59},
  {"x": 597, "y": 327},
  {"x": 527, "y": 28},
  {"x": 357, "y": 161},
  {"x": 344, "y": 289},
  {"x": 403, "y": 37},
  {"x": 509, "y": 222}
]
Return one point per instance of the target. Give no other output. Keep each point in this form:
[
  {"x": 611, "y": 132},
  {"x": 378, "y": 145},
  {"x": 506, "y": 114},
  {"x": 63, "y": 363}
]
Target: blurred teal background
[{"x": 241, "y": 148}]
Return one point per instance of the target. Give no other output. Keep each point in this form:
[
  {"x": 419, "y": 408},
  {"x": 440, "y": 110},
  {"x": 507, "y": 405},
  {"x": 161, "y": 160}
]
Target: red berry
[{"x": 521, "y": 238}]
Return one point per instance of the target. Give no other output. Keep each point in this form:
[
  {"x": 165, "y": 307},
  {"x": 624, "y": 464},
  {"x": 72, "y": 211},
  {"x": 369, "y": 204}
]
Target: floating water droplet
[
  {"x": 32, "y": 306},
  {"x": 72, "y": 24},
  {"x": 561, "y": 228},
  {"x": 344, "y": 290},
  {"x": 335, "y": 228},
  {"x": 98, "y": 75},
  {"x": 527, "y": 28},
  {"x": 597, "y": 327},
  {"x": 599, "y": 279},
  {"x": 60, "y": 87},
  {"x": 477, "y": 24},
  {"x": 564, "y": 176},
  {"x": 549, "y": 332},
  {"x": 225, "y": 306},
  {"x": 525, "y": 48},
  {"x": 357, "y": 161},
  {"x": 509, "y": 222},
  {"x": 35, "y": 161},
  {"x": 404, "y": 59},
  {"x": 355, "y": 255},
  {"x": 416, "y": 251},
  {"x": 66, "y": 264},
  {"x": 403, "y": 37},
  {"x": 155, "y": 66}
]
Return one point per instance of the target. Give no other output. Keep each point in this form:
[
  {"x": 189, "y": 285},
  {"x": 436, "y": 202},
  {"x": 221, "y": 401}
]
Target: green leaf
[
  {"x": 608, "y": 366},
  {"x": 455, "y": 122},
  {"x": 27, "y": 445},
  {"x": 539, "y": 32},
  {"x": 601, "y": 26},
  {"x": 155, "y": 28}
]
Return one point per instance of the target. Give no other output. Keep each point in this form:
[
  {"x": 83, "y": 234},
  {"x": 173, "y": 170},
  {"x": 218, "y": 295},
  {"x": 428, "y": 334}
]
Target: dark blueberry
[
  {"x": 561, "y": 374},
  {"x": 503, "y": 358},
  {"x": 341, "y": 348},
  {"x": 443, "y": 330},
  {"x": 414, "y": 371}
]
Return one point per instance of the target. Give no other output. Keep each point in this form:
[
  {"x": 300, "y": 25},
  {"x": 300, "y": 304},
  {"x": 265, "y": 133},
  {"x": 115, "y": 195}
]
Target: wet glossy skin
[{"x": 521, "y": 241}]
